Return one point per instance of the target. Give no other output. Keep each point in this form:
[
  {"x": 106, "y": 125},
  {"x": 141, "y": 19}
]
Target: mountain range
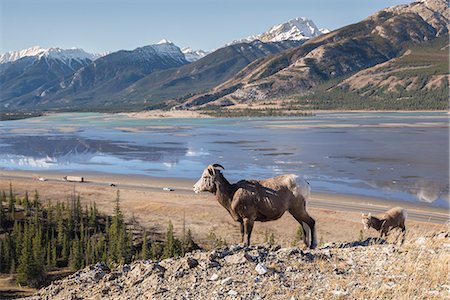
[{"x": 396, "y": 53}]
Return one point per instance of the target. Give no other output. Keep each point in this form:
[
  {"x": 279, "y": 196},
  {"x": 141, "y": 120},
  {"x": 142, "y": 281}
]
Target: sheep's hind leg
[
  {"x": 404, "y": 234},
  {"x": 308, "y": 225}
]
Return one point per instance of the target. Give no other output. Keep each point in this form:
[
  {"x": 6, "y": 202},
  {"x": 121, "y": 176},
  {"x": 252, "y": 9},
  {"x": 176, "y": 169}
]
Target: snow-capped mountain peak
[
  {"x": 164, "y": 48},
  {"x": 65, "y": 55},
  {"x": 297, "y": 29},
  {"x": 164, "y": 41},
  {"x": 193, "y": 55}
]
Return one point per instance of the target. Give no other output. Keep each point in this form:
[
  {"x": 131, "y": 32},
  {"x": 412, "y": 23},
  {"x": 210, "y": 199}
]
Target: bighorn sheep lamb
[
  {"x": 248, "y": 201},
  {"x": 393, "y": 218}
]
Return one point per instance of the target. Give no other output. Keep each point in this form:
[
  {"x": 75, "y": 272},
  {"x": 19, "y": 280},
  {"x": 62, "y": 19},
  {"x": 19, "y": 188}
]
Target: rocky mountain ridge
[
  {"x": 383, "y": 36},
  {"x": 297, "y": 29},
  {"x": 51, "y": 53},
  {"x": 256, "y": 72},
  {"x": 192, "y": 55},
  {"x": 361, "y": 269}
]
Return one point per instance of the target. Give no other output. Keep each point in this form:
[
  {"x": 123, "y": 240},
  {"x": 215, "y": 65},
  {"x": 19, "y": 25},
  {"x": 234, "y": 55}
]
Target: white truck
[{"x": 73, "y": 178}]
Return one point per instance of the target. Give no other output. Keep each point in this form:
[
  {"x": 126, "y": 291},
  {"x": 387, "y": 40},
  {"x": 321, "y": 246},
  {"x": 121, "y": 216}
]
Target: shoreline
[
  {"x": 335, "y": 201},
  {"x": 200, "y": 114}
]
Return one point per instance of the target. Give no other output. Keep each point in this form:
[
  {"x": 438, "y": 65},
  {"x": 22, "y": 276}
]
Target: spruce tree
[
  {"x": 36, "y": 202},
  {"x": 144, "y": 252},
  {"x": 54, "y": 253},
  {"x": 188, "y": 243},
  {"x": 2, "y": 216},
  {"x": 172, "y": 246},
  {"x": 26, "y": 204},
  {"x": 117, "y": 235},
  {"x": 11, "y": 203},
  {"x": 60, "y": 229},
  {"x": 25, "y": 259},
  {"x": 65, "y": 248},
  {"x": 155, "y": 250},
  {"x": 75, "y": 258}
]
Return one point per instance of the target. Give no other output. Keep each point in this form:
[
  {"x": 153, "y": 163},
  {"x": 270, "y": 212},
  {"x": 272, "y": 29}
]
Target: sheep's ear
[
  {"x": 363, "y": 215},
  {"x": 211, "y": 170},
  {"x": 369, "y": 215}
]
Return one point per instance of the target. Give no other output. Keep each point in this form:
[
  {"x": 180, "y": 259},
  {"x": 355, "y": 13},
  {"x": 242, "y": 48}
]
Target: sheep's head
[
  {"x": 206, "y": 183},
  {"x": 366, "y": 220}
]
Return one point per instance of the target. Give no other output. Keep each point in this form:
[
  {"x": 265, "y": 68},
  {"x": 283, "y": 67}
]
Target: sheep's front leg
[
  {"x": 248, "y": 227},
  {"x": 241, "y": 223}
]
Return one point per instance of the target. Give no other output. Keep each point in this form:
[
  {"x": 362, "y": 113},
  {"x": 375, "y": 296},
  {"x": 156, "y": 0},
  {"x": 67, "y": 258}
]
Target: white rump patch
[
  {"x": 404, "y": 214},
  {"x": 302, "y": 187}
]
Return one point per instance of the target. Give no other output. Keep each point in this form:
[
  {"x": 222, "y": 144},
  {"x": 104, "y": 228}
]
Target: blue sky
[{"x": 109, "y": 25}]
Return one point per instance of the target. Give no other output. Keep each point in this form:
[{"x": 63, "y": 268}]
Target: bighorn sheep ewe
[
  {"x": 248, "y": 201},
  {"x": 393, "y": 218}
]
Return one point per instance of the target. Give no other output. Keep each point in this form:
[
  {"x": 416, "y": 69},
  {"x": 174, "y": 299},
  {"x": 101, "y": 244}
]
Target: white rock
[
  {"x": 214, "y": 277},
  {"x": 261, "y": 269},
  {"x": 339, "y": 293},
  {"x": 226, "y": 281},
  {"x": 232, "y": 293},
  {"x": 421, "y": 241}
]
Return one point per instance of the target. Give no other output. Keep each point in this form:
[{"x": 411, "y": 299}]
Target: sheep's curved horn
[{"x": 218, "y": 166}]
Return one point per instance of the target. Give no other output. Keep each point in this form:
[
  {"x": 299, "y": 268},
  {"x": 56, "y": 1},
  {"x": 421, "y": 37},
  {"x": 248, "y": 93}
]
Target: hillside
[
  {"x": 94, "y": 85},
  {"x": 361, "y": 270},
  {"x": 25, "y": 75},
  {"x": 418, "y": 79},
  {"x": 176, "y": 84},
  {"x": 329, "y": 58}
]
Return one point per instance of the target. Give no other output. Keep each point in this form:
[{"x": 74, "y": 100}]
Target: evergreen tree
[
  {"x": 38, "y": 251},
  {"x": 188, "y": 243},
  {"x": 172, "y": 246},
  {"x": 54, "y": 253},
  {"x": 48, "y": 254},
  {"x": 26, "y": 204},
  {"x": 26, "y": 256},
  {"x": 155, "y": 250},
  {"x": 18, "y": 236},
  {"x": 145, "y": 254},
  {"x": 36, "y": 202},
  {"x": 60, "y": 229},
  {"x": 65, "y": 249},
  {"x": 11, "y": 203},
  {"x": 75, "y": 258},
  {"x": 93, "y": 217},
  {"x": 118, "y": 245},
  {"x": 298, "y": 236},
  {"x": 2, "y": 215}
]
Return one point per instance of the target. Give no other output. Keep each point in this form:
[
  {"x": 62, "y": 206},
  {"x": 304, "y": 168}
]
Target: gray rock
[{"x": 192, "y": 262}]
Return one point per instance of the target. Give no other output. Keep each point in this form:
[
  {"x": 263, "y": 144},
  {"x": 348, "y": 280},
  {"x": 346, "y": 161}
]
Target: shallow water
[{"x": 399, "y": 156}]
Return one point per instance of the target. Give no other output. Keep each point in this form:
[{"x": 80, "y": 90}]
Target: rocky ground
[{"x": 361, "y": 270}]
